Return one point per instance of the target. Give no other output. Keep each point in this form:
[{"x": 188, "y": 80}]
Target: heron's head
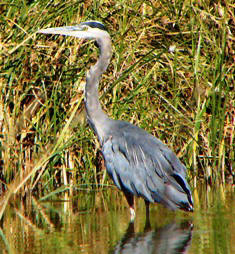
[{"x": 85, "y": 30}]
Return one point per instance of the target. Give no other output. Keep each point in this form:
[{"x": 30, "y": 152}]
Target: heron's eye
[{"x": 85, "y": 28}]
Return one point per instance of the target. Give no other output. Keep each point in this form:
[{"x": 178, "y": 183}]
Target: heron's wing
[{"x": 144, "y": 166}]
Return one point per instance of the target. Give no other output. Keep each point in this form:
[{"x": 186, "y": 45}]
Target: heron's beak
[{"x": 75, "y": 31}]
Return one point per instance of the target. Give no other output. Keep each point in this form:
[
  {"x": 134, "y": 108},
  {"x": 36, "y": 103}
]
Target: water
[{"x": 98, "y": 222}]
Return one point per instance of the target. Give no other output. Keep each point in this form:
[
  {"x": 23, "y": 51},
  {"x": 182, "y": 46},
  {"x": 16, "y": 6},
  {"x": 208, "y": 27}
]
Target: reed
[{"x": 172, "y": 73}]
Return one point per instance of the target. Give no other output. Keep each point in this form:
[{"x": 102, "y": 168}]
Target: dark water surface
[{"x": 98, "y": 222}]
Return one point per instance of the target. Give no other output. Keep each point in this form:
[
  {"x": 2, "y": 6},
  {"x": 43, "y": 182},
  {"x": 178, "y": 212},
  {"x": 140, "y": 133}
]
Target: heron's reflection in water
[{"x": 169, "y": 239}]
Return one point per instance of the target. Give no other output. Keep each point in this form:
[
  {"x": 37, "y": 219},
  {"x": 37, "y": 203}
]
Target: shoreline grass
[{"x": 184, "y": 96}]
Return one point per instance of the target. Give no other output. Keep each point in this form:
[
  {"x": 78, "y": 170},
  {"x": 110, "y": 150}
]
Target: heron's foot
[{"x": 132, "y": 211}]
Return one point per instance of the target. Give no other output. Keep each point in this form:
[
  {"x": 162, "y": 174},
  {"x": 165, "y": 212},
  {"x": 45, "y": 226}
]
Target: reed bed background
[{"x": 172, "y": 73}]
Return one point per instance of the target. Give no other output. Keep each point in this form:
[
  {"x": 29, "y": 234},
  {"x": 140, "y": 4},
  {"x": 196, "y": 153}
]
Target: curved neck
[{"x": 96, "y": 117}]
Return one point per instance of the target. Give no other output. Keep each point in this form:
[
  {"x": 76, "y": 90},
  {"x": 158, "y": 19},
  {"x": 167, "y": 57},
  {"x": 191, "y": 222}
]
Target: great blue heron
[{"x": 138, "y": 163}]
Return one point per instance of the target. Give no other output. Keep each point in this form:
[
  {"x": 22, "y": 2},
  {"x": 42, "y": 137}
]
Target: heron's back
[{"x": 142, "y": 165}]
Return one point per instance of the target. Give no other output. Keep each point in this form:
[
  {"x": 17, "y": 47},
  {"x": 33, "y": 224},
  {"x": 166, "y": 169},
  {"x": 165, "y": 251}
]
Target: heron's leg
[
  {"x": 147, "y": 221},
  {"x": 147, "y": 208},
  {"x": 130, "y": 201},
  {"x": 132, "y": 211}
]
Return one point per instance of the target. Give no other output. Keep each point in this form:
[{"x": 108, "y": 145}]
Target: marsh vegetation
[{"x": 172, "y": 73}]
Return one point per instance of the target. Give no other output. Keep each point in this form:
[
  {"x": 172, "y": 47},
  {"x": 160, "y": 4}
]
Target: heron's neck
[{"x": 96, "y": 117}]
